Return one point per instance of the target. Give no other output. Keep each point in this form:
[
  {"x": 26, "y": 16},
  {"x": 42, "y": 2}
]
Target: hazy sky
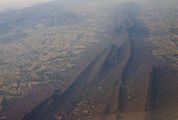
[{"x": 5, "y": 4}]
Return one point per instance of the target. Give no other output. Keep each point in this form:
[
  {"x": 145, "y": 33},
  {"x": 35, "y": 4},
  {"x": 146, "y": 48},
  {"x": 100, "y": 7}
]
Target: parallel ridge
[
  {"x": 95, "y": 91},
  {"x": 122, "y": 83}
]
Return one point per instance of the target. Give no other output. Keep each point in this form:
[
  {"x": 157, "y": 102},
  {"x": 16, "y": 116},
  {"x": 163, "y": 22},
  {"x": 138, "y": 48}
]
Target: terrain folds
[{"x": 132, "y": 79}]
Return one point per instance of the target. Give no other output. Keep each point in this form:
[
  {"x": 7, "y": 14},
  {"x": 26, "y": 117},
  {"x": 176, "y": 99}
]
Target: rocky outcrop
[
  {"x": 101, "y": 82},
  {"x": 93, "y": 94},
  {"x": 122, "y": 83}
]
